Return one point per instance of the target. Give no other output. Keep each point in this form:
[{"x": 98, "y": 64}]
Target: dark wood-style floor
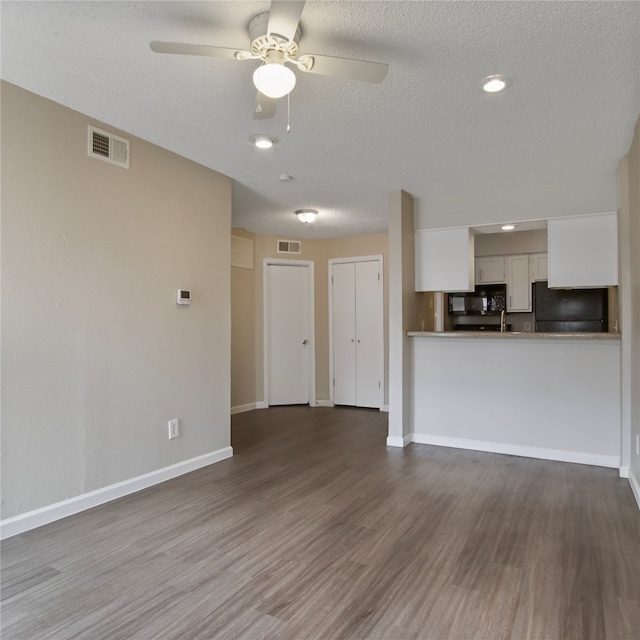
[{"x": 315, "y": 529}]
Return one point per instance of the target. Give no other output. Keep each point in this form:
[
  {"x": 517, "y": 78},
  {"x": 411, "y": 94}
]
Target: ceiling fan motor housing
[{"x": 262, "y": 42}]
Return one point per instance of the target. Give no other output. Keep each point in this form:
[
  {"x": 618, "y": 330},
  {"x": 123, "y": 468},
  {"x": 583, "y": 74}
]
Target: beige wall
[
  {"x": 503, "y": 244},
  {"x": 96, "y": 355},
  {"x": 243, "y": 333},
  {"x": 249, "y": 366},
  {"x": 630, "y": 303}
]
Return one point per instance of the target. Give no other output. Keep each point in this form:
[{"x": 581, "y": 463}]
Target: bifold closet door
[
  {"x": 368, "y": 292},
  {"x": 344, "y": 333},
  {"x": 357, "y": 333}
]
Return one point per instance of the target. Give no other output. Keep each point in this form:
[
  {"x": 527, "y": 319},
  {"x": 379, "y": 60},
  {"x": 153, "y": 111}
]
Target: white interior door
[
  {"x": 289, "y": 329},
  {"x": 357, "y": 332}
]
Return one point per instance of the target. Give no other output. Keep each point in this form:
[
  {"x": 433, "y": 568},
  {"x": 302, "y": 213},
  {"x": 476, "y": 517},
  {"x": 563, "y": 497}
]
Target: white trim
[
  {"x": 262, "y": 405},
  {"x": 243, "y": 408},
  {"x": 324, "y": 403},
  {"x": 559, "y": 455},
  {"x": 384, "y": 408},
  {"x": 395, "y": 441},
  {"x": 635, "y": 487},
  {"x": 50, "y": 513},
  {"x": 624, "y": 471},
  {"x": 309, "y": 265},
  {"x": 380, "y": 260}
]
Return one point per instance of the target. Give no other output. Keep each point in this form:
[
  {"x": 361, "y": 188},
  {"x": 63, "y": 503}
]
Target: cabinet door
[
  {"x": 369, "y": 314},
  {"x": 444, "y": 260},
  {"x": 518, "y": 283},
  {"x": 583, "y": 251},
  {"x": 538, "y": 267},
  {"x": 344, "y": 333},
  {"x": 490, "y": 270}
]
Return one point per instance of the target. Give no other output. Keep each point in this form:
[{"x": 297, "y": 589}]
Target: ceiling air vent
[
  {"x": 289, "y": 246},
  {"x": 108, "y": 147}
]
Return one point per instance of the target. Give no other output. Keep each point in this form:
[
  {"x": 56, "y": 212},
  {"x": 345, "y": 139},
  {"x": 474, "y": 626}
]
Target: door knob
[{"x": 304, "y": 341}]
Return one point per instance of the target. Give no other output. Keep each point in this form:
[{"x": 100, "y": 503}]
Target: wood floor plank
[{"x": 316, "y": 530}]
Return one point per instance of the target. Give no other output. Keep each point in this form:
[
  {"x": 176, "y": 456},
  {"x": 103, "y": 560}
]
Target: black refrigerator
[{"x": 569, "y": 310}]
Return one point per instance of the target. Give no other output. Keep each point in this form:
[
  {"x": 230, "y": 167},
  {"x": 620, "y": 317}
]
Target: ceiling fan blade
[
  {"x": 345, "y": 68},
  {"x": 284, "y": 17},
  {"x": 265, "y": 107},
  {"x": 193, "y": 49}
]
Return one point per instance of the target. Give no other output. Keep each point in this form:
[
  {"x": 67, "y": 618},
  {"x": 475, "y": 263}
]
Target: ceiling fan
[{"x": 274, "y": 39}]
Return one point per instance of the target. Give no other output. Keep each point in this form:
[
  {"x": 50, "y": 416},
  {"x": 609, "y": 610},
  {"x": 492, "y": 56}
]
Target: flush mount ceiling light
[
  {"x": 508, "y": 227},
  {"x": 306, "y": 215},
  {"x": 272, "y": 78},
  {"x": 263, "y": 142},
  {"x": 493, "y": 84}
]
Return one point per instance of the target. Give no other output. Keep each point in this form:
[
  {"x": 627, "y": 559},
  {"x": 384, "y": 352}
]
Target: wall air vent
[
  {"x": 289, "y": 246},
  {"x": 108, "y": 147}
]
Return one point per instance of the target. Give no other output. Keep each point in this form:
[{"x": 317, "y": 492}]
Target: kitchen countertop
[{"x": 513, "y": 335}]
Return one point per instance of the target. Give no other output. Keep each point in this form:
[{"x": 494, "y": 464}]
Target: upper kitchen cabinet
[
  {"x": 539, "y": 266},
  {"x": 518, "y": 283},
  {"x": 444, "y": 260},
  {"x": 490, "y": 270},
  {"x": 583, "y": 251}
]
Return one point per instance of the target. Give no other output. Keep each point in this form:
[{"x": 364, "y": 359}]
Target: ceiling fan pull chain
[{"x": 288, "y": 111}]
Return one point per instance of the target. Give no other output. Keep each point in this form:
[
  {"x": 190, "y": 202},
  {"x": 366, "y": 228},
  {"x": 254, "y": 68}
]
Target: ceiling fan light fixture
[
  {"x": 306, "y": 215},
  {"x": 494, "y": 84},
  {"x": 273, "y": 79}
]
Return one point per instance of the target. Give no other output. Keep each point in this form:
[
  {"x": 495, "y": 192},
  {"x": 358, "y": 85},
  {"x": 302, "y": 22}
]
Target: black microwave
[{"x": 488, "y": 300}]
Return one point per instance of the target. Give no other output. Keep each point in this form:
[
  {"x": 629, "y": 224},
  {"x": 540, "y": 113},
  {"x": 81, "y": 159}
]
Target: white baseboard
[
  {"x": 384, "y": 408},
  {"x": 262, "y": 405},
  {"x": 242, "y": 408},
  {"x": 635, "y": 487},
  {"x": 559, "y": 455},
  {"x": 324, "y": 403},
  {"x": 624, "y": 472},
  {"x": 397, "y": 441},
  {"x": 45, "y": 515}
]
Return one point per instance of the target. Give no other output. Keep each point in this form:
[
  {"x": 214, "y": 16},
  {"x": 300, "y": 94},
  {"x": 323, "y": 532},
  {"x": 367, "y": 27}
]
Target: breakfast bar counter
[
  {"x": 514, "y": 334},
  {"x": 544, "y": 395}
]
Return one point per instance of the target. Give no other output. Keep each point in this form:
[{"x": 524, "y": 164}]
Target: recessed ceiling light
[
  {"x": 306, "y": 215},
  {"x": 493, "y": 84},
  {"x": 285, "y": 177},
  {"x": 508, "y": 227},
  {"x": 263, "y": 142}
]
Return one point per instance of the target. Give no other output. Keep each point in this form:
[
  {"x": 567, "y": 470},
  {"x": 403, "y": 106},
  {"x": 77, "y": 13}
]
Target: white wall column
[{"x": 403, "y": 313}]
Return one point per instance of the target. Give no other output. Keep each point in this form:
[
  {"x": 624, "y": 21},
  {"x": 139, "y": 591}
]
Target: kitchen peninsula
[{"x": 554, "y": 396}]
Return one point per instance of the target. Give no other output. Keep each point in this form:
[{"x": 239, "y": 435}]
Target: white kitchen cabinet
[
  {"x": 490, "y": 270},
  {"x": 518, "y": 283},
  {"x": 538, "y": 266},
  {"x": 444, "y": 260},
  {"x": 583, "y": 251},
  {"x": 357, "y": 332}
]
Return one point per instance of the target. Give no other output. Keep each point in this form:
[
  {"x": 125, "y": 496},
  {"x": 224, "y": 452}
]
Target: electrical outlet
[
  {"x": 527, "y": 326},
  {"x": 174, "y": 428}
]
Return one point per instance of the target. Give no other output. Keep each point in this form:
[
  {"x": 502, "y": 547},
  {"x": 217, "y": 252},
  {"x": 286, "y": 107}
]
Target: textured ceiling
[{"x": 574, "y": 97}]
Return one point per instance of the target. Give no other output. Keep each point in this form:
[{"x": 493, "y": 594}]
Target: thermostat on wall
[{"x": 184, "y": 296}]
